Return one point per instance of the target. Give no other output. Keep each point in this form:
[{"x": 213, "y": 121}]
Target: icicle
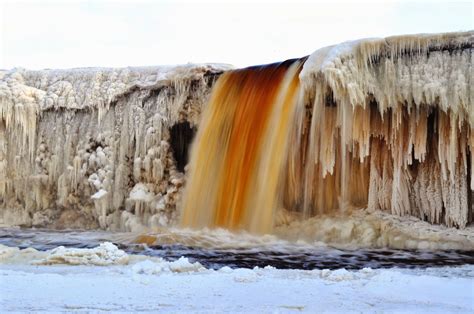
[
  {"x": 405, "y": 103},
  {"x": 91, "y": 125}
]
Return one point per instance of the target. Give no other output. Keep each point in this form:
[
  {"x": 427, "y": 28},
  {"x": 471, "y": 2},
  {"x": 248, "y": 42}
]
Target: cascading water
[{"x": 237, "y": 164}]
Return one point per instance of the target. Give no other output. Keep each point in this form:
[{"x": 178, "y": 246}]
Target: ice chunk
[
  {"x": 182, "y": 265},
  {"x": 103, "y": 255}
]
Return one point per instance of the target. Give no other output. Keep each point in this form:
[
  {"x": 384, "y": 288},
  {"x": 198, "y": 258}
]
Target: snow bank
[
  {"x": 118, "y": 282},
  {"x": 106, "y": 254},
  {"x": 7, "y": 252}
]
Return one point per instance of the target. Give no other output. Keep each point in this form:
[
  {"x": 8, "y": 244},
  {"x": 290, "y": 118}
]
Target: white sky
[{"x": 64, "y": 34}]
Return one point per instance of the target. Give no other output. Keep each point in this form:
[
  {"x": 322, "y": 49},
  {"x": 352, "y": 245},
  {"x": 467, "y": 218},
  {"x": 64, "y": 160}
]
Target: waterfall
[
  {"x": 238, "y": 160},
  {"x": 382, "y": 124}
]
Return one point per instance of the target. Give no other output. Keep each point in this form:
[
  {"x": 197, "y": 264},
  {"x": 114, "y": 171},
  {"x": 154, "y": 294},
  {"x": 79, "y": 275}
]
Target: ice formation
[
  {"x": 105, "y": 254},
  {"x": 160, "y": 266},
  {"x": 91, "y": 147},
  {"x": 387, "y": 125},
  {"x": 381, "y": 124},
  {"x": 378, "y": 229},
  {"x": 13, "y": 255}
]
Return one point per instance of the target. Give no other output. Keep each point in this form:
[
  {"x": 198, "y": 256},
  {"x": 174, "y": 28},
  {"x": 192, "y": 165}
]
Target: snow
[
  {"x": 107, "y": 279},
  {"x": 91, "y": 87},
  {"x": 440, "y": 78},
  {"x": 158, "y": 286}
]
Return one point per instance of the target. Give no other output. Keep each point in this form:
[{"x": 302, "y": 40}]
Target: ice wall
[
  {"x": 387, "y": 124},
  {"x": 90, "y": 147}
]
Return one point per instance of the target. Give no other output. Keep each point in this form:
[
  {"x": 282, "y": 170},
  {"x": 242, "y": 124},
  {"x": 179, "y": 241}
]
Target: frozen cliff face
[
  {"x": 387, "y": 124},
  {"x": 91, "y": 147}
]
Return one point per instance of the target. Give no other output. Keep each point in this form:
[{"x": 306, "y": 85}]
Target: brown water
[{"x": 238, "y": 159}]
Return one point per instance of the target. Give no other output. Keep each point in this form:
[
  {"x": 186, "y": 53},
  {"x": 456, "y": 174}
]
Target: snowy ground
[{"x": 38, "y": 281}]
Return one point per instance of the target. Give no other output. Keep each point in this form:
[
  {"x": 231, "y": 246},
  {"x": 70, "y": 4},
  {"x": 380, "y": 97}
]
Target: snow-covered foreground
[
  {"x": 28, "y": 282},
  {"x": 119, "y": 288}
]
